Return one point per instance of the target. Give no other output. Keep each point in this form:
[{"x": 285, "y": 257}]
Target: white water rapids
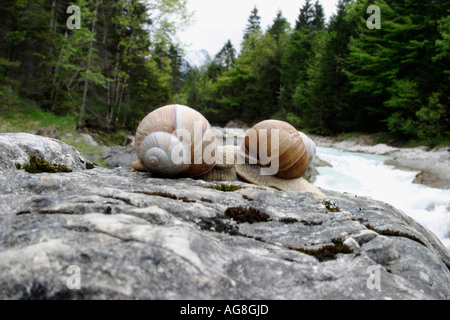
[{"x": 366, "y": 175}]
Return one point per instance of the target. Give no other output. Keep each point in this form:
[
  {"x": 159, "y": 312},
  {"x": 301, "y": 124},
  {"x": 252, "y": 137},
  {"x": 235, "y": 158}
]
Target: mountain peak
[{"x": 196, "y": 58}]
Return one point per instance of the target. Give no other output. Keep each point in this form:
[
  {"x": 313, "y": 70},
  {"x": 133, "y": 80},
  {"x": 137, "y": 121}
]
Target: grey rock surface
[
  {"x": 120, "y": 156},
  {"x": 132, "y": 236},
  {"x": 16, "y": 148}
]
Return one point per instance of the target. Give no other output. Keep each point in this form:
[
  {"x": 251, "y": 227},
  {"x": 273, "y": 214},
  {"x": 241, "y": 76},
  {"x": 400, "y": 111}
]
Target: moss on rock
[{"x": 40, "y": 165}]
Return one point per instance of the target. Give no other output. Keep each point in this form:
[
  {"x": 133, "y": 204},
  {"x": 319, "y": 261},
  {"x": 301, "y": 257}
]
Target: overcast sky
[{"x": 220, "y": 20}]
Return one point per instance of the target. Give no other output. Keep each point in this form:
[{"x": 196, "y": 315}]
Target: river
[{"x": 366, "y": 175}]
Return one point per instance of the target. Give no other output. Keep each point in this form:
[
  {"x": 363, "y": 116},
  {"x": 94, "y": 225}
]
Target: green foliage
[
  {"x": 331, "y": 78},
  {"x": 431, "y": 118},
  {"x": 8, "y": 97},
  {"x": 279, "y": 28},
  {"x": 198, "y": 93},
  {"x": 253, "y": 25},
  {"x": 338, "y": 78},
  {"x": 305, "y": 17},
  {"x": 393, "y": 69},
  {"x": 121, "y": 64},
  {"x": 292, "y": 119},
  {"x": 26, "y": 116}
]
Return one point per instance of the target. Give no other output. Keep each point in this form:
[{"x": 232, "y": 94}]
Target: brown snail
[
  {"x": 281, "y": 146},
  {"x": 280, "y": 158},
  {"x": 278, "y": 145},
  {"x": 273, "y": 154},
  {"x": 175, "y": 140}
]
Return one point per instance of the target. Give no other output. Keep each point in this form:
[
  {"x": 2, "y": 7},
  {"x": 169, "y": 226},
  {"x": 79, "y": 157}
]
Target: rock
[
  {"x": 119, "y": 156},
  {"x": 48, "y": 132},
  {"x": 364, "y": 236},
  {"x": 130, "y": 236},
  {"x": 16, "y": 149},
  {"x": 317, "y": 162},
  {"x": 237, "y": 124},
  {"x": 381, "y": 249},
  {"x": 130, "y": 141},
  {"x": 89, "y": 139},
  {"x": 352, "y": 244}
]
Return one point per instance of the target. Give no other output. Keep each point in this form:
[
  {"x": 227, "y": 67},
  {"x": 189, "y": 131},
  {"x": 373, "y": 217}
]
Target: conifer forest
[{"x": 323, "y": 76}]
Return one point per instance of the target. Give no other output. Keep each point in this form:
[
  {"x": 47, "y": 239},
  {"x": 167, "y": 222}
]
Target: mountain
[{"x": 195, "y": 58}]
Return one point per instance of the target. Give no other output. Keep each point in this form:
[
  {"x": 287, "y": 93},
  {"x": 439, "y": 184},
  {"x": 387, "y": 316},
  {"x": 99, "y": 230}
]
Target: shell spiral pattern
[
  {"x": 278, "y": 141},
  {"x": 176, "y": 140}
]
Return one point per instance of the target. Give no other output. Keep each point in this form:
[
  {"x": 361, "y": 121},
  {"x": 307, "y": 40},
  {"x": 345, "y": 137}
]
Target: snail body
[{"x": 175, "y": 140}]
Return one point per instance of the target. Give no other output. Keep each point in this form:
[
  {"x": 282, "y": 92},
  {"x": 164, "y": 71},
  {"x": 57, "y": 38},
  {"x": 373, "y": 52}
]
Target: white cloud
[{"x": 220, "y": 20}]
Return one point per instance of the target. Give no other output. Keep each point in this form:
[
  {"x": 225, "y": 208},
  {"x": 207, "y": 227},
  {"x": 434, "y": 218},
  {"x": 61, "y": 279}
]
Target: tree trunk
[
  {"x": 53, "y": 17},
  {"x": 125, "y": 111},
  {"x": 80, "y": 121},
  {"x": 55, "y": 86}
]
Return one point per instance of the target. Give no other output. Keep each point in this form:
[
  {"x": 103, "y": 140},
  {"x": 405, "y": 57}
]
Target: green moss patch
[
  {"x": 90, "y": 165},
  {"x": 225, "y": 187},
  {"x": 331, "y": 206},
  {"x": 327, "y": 252},
  {"x": 250, "y": 215},
  {"x": 39, "y": 165},
  {"x": 392, "y": 233}
]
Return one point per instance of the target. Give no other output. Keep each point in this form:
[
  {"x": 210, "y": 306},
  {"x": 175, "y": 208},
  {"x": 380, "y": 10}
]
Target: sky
[{"x": 217, "y": 21}]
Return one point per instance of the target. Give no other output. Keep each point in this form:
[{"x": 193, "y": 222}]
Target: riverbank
[{"x": 433, "y": 166}]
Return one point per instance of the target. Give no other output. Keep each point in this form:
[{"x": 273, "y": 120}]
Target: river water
[{"x": 366, "y": 175}]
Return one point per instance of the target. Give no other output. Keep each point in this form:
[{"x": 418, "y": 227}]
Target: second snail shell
[{"x": 280, "y": 137}]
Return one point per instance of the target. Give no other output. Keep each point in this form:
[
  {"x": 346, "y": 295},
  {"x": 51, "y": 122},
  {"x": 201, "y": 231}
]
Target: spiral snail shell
[
  {"x": 277, "y": 155},
  {"x": 175, "y": 140},
  {"x": 277, "y": 144}
]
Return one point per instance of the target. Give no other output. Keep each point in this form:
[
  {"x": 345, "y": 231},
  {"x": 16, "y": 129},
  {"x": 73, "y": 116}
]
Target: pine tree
[
  {"x": 254, "y": 24},
  {"x": 392, "y": 69},
  {"x": 318, "y": 21},
  {"x": 226, "y": 57},
  {"x": 279, "y": 27},
  {"x": 306, "y": 16},
  {"x": 341, "y": 110},
  {"x": 176, "y": 61}
]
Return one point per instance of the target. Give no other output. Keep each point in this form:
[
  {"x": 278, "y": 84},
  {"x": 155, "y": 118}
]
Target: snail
[
  {"x": 175, "y": 140},
  {"x": 273, "y": 153}
]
